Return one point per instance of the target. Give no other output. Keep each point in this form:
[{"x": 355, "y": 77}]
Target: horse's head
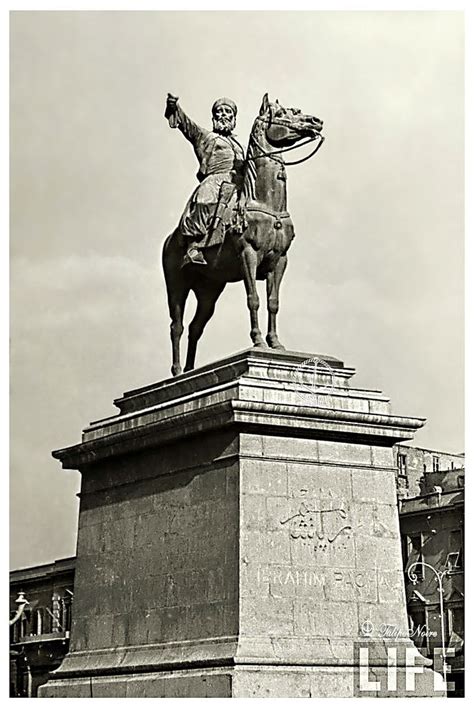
[{"x": 286, "y": 126}]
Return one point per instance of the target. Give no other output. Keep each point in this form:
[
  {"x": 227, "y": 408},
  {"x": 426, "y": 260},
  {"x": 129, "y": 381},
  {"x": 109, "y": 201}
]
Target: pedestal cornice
[{"x": 262, "y": 391}]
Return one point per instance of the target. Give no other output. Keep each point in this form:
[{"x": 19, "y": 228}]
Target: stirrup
[{"x": 194, "y": 257}]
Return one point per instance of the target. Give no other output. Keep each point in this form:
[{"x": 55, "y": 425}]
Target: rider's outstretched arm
[{"x": 178, "y": 118}]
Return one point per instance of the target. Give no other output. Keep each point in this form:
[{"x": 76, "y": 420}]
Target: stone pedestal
[{"x": 238, "y": 536}]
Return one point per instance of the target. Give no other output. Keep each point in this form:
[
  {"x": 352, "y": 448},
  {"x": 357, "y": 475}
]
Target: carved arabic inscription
[{"x": 322, "y": 527}]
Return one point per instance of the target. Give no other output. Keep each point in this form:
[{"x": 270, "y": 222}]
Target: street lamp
[
  {"x": 440, "y": 576},
  {"x": 22, "y": 603}
]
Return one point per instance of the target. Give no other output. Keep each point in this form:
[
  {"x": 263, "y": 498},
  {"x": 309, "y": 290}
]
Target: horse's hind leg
[
  {"x": 176, "y": 301},
  {"x": 273, "y": 301},
  {"x": 206, "y": 295}
]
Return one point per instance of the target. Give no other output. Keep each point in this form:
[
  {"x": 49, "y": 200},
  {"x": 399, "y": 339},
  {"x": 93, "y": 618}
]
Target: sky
[{"x": 98, "y": 180}]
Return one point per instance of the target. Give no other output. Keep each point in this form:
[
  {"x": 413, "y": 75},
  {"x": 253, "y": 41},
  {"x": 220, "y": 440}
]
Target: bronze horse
[{"x": 258, "y": 250}]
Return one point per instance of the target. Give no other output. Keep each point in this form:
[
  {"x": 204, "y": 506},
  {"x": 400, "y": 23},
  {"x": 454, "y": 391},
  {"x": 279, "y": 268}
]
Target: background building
[
  {"x": 414, "y": 463},
  {"x": 432, "y": 532},
  {"x": 40, "y": 638}
]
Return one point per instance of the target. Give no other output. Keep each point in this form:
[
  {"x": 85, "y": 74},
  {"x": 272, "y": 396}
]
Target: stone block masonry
[{"x": 237, "y": 528}]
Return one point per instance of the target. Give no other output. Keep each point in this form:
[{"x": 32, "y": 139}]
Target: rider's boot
[{"x": 193, "y": 256}]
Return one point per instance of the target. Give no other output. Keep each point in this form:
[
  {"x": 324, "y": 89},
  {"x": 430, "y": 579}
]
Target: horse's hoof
[
  {"x": 176, "y": 370},
  {"x": 260, "y": 344},
  {"x": 275, "y": 344}
]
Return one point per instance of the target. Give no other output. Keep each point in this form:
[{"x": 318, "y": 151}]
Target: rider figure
[{"x": 221, "y": 160}]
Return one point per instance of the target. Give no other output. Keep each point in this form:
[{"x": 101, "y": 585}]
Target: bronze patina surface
[{"x": 231, "y": 234}]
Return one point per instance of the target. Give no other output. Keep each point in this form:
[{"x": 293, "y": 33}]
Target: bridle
[
  {"x": 271, "y": 154},
  {"x": 278, "y": 215}
]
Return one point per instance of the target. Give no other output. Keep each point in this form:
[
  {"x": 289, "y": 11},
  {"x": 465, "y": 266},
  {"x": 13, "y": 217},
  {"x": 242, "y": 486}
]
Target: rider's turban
[{"x": 224, "y": 101}]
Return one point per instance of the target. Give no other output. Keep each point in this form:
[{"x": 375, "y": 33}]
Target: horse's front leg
[
  {"x": 249, "y": 264},
  {"x": 273, "y": 301}
]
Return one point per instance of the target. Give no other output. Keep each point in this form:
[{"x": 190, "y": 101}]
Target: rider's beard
[{"x": 223, "y": 126}]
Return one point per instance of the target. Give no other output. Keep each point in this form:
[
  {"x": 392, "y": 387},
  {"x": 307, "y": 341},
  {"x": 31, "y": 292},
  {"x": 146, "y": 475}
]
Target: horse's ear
[
  {"x": 277, "y": 102},
  {"x": 265, "y": 105}
]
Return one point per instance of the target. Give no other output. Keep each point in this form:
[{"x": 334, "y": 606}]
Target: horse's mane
[{"x": 250, "y": 172}]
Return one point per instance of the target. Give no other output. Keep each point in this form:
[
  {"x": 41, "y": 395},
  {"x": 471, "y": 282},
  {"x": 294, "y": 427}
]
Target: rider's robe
[{"x": 221, "y": 159}]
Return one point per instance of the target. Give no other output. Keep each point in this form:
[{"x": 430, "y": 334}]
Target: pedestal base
[
  {"x": 256, "y": 681},
  {"x": 238, "y": 536}
]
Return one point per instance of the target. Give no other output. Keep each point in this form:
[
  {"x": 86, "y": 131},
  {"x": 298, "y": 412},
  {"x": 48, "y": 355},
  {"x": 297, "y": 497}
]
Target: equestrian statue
[{"x": 235, "y": 226}]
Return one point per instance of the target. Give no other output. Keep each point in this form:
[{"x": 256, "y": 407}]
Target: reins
[
  {"x": 254, "y": 145},
  {"x": 272, "y": 154}
]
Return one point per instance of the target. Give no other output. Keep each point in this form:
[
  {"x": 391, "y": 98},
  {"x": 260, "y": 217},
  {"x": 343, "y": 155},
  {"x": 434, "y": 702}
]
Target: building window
[
  {"x": 456, "y": 544},
  {"x": 14, "y": 632},
  {"x": 66, "y": 614},
  {"x": 418, "y": 630},
  {"x": 38, "y": 626},
  {"x": 455, "y": 540},
  {"x": 424, "y": 468},
  {"x": 402, "y": 464},
  {"x": 435, "y": 464},
  {"x": 414, "y": 553},
  {"x": 433, "y": 620},
  {"x": 454, "y": 559},
  {"x": 456, "y": 626},
  {"x": 24, "y": 625}
]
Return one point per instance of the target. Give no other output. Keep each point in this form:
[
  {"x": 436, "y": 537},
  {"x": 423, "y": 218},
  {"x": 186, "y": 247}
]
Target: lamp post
[
  {"x": 440, "y": 576},
  {"x": 22, "y": 603}
]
